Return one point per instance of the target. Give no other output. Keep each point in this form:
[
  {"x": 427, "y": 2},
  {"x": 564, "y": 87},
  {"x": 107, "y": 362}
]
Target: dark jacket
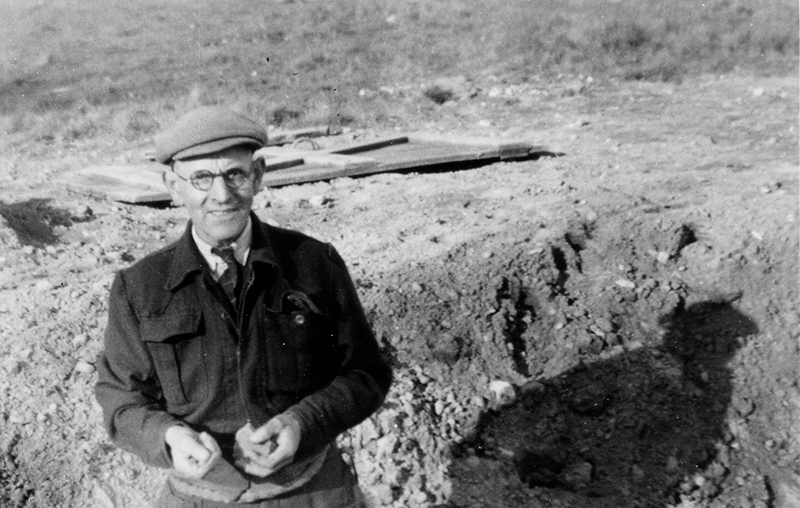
[{"x": 177, "y": 351}]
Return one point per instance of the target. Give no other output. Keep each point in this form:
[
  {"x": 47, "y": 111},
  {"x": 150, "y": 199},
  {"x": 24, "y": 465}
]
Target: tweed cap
[{"x": 207, "y": 130}]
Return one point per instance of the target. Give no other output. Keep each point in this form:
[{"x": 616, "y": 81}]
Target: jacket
[{"x": 177, "y": 352}]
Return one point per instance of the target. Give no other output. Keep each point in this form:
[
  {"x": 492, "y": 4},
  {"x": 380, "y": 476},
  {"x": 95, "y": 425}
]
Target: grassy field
[{"x": 110, "y": 72}]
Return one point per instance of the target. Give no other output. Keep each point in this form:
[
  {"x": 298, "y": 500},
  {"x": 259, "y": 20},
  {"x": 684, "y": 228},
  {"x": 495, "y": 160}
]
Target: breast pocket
[
  {"x": 176, "y": 346},
  {"x": 301, "y": 350}
]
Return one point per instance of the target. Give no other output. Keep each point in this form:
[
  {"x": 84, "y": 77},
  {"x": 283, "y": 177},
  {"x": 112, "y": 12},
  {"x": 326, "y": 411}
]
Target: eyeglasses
[{"x": 203, "y": 180}]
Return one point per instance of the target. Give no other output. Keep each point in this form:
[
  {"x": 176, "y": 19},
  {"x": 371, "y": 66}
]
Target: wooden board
[
  {"x": 128, "y": 184},
  {"x": 415, "y": 151},
  {"x": 286, "y": 166}
]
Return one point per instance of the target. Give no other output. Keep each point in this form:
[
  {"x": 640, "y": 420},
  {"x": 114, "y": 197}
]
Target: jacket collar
[{"x": 188, "y": 261}]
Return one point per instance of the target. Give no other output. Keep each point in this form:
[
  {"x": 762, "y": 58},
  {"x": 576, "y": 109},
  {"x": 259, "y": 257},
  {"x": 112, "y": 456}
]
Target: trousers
[{"x": 334, "y": 486}]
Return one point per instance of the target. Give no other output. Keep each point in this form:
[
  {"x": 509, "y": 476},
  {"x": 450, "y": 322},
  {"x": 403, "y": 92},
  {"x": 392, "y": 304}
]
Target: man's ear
[
  {"x": 171, "y": 183},
  {"x": 258, "y": 172}
]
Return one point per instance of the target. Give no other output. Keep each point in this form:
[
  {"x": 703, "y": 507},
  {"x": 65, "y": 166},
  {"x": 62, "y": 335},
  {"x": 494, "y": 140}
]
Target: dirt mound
[{"x": 616, "y": 327}]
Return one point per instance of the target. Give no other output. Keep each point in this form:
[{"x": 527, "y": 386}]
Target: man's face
[{"x": 220, "y": 213}]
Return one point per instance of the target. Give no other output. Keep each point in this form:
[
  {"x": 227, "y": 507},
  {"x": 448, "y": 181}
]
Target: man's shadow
[{"x": 633, "y": 430}]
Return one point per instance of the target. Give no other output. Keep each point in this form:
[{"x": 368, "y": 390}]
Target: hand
[
  {"x": 193, "y": 454},
  {"x": 270, "y": 447}
]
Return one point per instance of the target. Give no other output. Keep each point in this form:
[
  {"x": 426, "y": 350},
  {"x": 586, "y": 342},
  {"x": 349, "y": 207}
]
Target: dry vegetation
[{"x": 78, "y": 73}]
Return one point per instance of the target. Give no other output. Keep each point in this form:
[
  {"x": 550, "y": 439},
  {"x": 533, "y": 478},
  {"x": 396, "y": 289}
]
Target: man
[{"x": 237, "y": 354}]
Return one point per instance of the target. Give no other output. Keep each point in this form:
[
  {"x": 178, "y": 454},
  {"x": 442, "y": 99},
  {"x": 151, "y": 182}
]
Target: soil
[{"x": 613, "y": 325}]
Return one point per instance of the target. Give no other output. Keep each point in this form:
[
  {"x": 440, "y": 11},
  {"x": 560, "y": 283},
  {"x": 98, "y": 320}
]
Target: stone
[
  {"x": 788, "y": 492},
  {"x": 539, "y": 467},
  {"x": 578, "y": 474},
  {"x": 84, "y": 367},
  {"x": 503, "y": 393},
  {"x": 743, "y": 406},
  {"x": 625, "y": 283},
  {"x": 590, "y": 400},
  {"x": 604, "y": 324},
  {"x": 12, "y": 365},
  {"x": 43, "y": 285},
  {"x": 672, "y": 464},
  {"x": 381, "y": 495},
  {"x": 80, "y": 339},
  {"x": 318, "y": 200},
  {"x": 532, "y": 388}
]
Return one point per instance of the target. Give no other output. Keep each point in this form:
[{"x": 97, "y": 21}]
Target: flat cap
[{"x": 207, "y": 130}]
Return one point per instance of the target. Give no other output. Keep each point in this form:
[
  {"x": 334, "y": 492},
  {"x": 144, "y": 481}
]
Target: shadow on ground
[
  {"x": 634, "y": 430},
  {"x": 34, "y": 221}
]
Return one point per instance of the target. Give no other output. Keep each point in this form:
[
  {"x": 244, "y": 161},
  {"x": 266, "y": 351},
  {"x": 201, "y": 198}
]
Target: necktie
[{"x": 230, "y": 277}]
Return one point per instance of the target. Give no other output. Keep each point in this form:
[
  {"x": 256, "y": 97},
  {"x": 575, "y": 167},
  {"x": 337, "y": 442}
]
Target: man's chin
[{"x": 225, "y": 230}]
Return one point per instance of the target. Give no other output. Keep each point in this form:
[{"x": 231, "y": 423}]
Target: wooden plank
[
  {"x": 129, "y": 184},
  {"x": 369, "y": 145},
  {"x": 420, "y": 151},
  {"x": 285, "y": 166},
  {"x": 502, "y": 148},
  {"x": 317, "y": 157}
]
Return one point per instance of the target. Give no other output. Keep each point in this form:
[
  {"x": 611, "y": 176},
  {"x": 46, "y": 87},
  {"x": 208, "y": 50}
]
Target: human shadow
[
  {"x": 644, "y": 428},
  {"x": 34, "y": 220}
]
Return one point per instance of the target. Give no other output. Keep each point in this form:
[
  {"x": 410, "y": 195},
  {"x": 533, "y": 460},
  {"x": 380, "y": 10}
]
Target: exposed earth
[{"x": 616, "y": 325}]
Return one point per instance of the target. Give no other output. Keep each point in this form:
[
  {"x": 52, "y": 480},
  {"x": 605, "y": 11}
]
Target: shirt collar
[
  {"x": 241, "y": 249},
  {"x": 188, "y": 258}
]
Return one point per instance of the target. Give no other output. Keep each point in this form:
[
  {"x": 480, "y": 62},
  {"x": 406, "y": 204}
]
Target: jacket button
[{"x": 300, "y": 319}]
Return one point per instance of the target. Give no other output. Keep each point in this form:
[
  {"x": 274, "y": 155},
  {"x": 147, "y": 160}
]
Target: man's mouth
[{"x": 223, "y": 213}]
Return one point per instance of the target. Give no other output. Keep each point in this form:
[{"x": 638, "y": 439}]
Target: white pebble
[
  {"x": 318, "y": 200},
  {"x": 44, "y": 285},
  {"x": 503, "y": 392},
  {"x": 625, "y": 283},
  {"x": 84, "y": 367},
  {"x": 80, "y": 339}
]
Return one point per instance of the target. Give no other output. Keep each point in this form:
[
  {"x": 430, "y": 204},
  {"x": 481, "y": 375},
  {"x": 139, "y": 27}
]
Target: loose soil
[{"x": 638, "y": 291}]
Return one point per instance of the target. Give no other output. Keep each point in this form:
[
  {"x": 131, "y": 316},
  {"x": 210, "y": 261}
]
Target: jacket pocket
[
  {"x": 301, "y": 351},
  {"x": 176, "y": 346}
]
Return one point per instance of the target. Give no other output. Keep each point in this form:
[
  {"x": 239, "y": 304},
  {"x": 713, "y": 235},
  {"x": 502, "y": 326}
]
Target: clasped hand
[
  {"x": 193, "y": 454},
  {"x": 260, "y": 452},
  {"x": 269, "y": 448}
]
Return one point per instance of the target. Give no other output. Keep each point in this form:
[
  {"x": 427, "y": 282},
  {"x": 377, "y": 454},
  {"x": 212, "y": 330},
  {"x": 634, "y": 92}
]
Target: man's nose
[{"x": 219, "y": 190}]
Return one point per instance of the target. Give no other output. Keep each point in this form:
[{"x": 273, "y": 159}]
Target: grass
[{"x": 115, "y": 71}]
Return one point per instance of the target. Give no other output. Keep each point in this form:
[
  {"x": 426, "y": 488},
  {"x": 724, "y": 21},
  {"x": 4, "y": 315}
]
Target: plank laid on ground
[
  {"x": 286, "y": 166},
  {"x": 368, "y": 146},
  {"x": 315, "y": 157},
  {"x": 405, "y": 152},
  {"x": 502, "y": 148},
  {"x": 129, "y": 184}
]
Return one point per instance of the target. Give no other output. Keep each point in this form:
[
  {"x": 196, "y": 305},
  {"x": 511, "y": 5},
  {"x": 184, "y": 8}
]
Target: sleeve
[
  {"x": 127, "y": 388},
  {"x": 363, "y": 379}
]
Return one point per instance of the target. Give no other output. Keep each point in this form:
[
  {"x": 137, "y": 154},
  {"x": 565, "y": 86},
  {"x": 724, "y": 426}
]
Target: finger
[
  {"x": 210, "y": 444},
  {"x": 254, "y": 450},
  {"x": 189, "y": 445},
  {"x": 266, "y": 431}
]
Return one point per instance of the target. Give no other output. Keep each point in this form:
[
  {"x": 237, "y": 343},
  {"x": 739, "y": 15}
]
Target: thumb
[
  {"x": 193, "y": 445},
  {"x": 267, "y": 431},
  {"x": 209, "y": 443}
]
